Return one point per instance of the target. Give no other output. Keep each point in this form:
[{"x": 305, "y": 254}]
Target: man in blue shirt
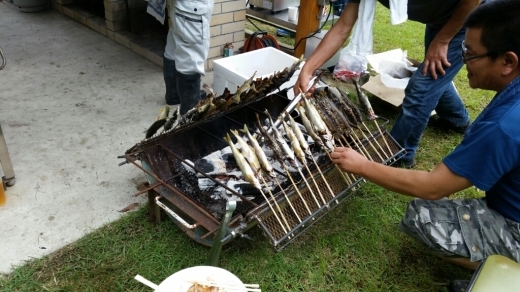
[
  {"x": 465, "y": 231},
  {"x": 430, "y": 87}
]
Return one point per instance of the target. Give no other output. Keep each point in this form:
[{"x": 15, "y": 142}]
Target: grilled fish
[
  {"x": 169, "y": 124},
  {"x": 308, "y": 126},
  {"x": 300, "y": 154},
  {"x": 248, "y": 173},
  {"x": 245, "y": 87},
  {"x": 163, "y": 113},
  {"x": 288, "y": 153},
  {"x": 270, "y": 141},
  {"x": 260, "y": 154},
  {"x": 249, "y": 154},
  {"x": 299, "y": 135},
  {"x": 365, "y": 103}
]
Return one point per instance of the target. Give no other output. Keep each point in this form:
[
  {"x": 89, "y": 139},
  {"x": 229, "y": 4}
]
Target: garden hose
[
  {"x": 254, "y": 42},
  {"x": 3, "y": 59}
]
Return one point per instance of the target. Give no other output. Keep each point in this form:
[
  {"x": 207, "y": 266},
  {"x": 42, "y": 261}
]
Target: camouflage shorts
[{"x": 462, "y": 228}]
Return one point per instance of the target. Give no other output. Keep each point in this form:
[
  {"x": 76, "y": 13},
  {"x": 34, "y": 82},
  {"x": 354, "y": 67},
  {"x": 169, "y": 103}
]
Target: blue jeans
[{"x": 423, "y": 95}]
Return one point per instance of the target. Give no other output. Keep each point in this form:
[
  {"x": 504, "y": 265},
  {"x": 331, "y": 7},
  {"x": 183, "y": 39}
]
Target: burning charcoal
[
  {"x": 188, "y": 165},
  {"x": 206, "y": 183},
  {"x": 211, "y": 166},
  {"x": 244, "y": 188}
]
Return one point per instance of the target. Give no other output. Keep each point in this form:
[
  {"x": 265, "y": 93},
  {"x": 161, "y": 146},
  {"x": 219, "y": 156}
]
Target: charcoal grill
[{"x": 172, "y": 185}]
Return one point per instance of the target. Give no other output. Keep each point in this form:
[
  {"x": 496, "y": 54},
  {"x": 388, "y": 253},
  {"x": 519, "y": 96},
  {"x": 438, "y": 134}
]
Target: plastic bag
[
  {"x": 350, "y": 66},
  {"x": 396, "y": 74}
]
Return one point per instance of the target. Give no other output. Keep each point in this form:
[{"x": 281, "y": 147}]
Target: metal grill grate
[{"x": 341, "y": 184}]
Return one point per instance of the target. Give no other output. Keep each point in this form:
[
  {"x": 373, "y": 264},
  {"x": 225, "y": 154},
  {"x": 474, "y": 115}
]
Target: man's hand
[
  {"x": 302, "y": 82},
  {"x": 348, "y": 159},
  {"x": 436, "y": 58}
]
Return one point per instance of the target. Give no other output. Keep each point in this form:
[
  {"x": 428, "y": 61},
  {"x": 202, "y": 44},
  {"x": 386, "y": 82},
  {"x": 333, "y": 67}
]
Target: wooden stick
[
  {"x": 315, "y": 183},
  {"x": 287, "y": 198},
  {"x": 323, "y": 176},
  {"x": 274, "y": 212},
  {"x": 371, "y": 144},
  {"x": 375, "y": 140},
  {"x": 275, "y": 202},
  {"x": 308, "y": 187},
  {"x": 296, "y": 189},
  {"x": 384, "y": 139}
]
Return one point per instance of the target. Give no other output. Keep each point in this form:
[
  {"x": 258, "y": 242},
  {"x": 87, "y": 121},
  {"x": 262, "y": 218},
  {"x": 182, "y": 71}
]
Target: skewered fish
[
  {"x": 155, "y": 127},
  {"x": 269, "y": 140},
  {"x": 163, "y": 112},
  {"x": 248, "y": 153},
  {"x": 287, "y": 151},
  {"x": 245, "y": 87},
  {"x": 299, "y": 135},
  {"x": 308, "y": 126},
  {"x": 260, "y": 154},
  {"x": 169, "y": 124},
  {"x": 364, "y": 102},
  {"x": 252, "y": 89},
  {"x": 298, "y": 151},
  {"x": 248, "y": 173}
]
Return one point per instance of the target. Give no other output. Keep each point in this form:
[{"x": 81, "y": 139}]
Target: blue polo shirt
[{"x": 489, "y": 154}]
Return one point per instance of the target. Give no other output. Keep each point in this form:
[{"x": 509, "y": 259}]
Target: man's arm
[
  {"x": 437, "y": 54},
  {"x": 433, "y": 185},
  {"x": 329, "y": 45}
]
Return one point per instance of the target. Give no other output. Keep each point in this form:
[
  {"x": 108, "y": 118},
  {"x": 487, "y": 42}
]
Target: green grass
[{"x": 356, "y": 247}]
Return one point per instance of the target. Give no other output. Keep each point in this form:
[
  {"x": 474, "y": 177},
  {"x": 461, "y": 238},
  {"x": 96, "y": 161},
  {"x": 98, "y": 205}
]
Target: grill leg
[
  {"x": 155, "y": 211},
  {"x": 216, "y": 247},
  {"x": 5, "y": 161}
]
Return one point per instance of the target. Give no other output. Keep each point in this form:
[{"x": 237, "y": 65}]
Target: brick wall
[{"x": 227, "y": 26}]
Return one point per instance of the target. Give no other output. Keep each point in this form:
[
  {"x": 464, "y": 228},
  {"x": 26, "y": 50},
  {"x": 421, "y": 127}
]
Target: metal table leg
[
  {"x": 5, "y": 161},
  {"x": 216, "y": 248}
]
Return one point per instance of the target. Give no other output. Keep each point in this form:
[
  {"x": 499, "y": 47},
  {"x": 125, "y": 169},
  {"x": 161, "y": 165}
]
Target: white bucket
[{"x": 293, "y": 13}]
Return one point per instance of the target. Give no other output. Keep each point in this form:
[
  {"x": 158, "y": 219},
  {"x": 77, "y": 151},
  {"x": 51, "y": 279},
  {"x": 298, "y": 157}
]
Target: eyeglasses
[{"x": 464, "y": 52}]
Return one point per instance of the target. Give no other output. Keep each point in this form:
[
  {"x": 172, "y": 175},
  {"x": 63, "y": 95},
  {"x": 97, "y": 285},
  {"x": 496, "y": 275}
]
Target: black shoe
[
  {"x": 458, "y": 286},
  {"x": 188, "y": 89},
  {"x": 445, "y": 125},
  {"x": 170, "y": 75},
  {"x": 203, "y": 94},
  {"x": 402, "y": 163}
]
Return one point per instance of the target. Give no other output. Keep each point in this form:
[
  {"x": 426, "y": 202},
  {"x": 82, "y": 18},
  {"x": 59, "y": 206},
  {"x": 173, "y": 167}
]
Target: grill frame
[{"x": 165, "y": 149}]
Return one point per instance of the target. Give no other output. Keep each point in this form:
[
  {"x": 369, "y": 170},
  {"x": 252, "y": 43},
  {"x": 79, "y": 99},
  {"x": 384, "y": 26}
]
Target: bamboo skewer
[
  {"x": 315, "y": 183},
  {"x": 375, "y": 140},
  {"x": 276, "y": 203},
  {"x": 274, "y": 212},
  {"x": 308, "y": 187},
  {"x": 384, "y": 139},
  {"x": 361, "y": 148},
  {"x": 372, "y": 145},
  {"x": 347, "y": 180},
  {"x": 296, "y": 189},
  {"x": 287, "y": 198},
  {"x": 322, "y": 175}
]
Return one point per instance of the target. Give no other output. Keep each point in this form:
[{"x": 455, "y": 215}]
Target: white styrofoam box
[
  {"x": 231, "y": 72},
  {"x": 313, "y": 42}
]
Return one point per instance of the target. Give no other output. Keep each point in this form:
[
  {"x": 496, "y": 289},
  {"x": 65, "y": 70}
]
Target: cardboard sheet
[{"x": 393, "y": 96}]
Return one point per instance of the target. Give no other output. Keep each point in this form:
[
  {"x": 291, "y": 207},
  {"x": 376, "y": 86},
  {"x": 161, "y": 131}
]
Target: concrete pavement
[{"x": 71, "y": 101}]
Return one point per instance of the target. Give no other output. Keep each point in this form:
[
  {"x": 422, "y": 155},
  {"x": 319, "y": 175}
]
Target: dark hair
[{"x": 500, "y": 24}]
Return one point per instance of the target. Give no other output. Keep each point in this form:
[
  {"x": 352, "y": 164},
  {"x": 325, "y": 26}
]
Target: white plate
[{"x": 184, "y": 279}]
